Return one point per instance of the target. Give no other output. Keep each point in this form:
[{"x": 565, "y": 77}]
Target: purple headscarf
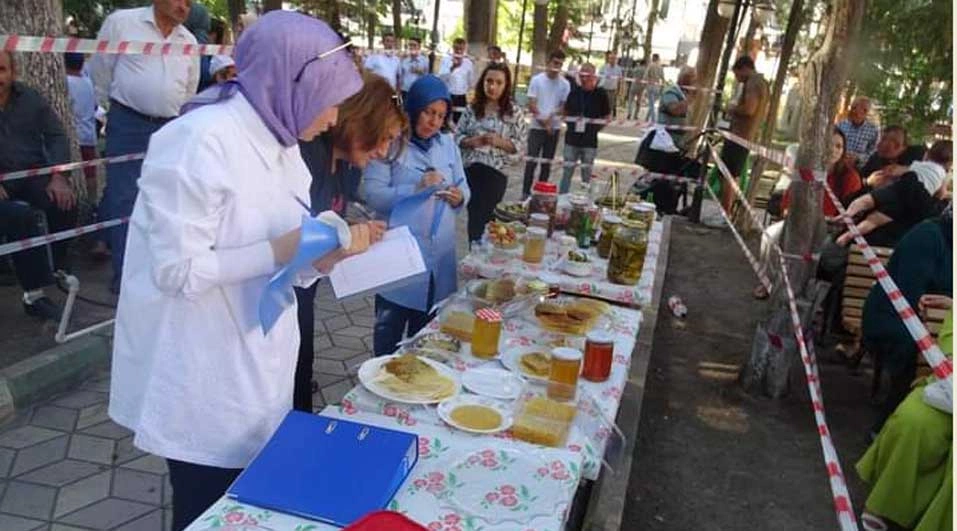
[{"x": 269, "y": 56}]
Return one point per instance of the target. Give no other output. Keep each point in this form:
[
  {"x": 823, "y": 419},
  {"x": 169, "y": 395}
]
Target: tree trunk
[
  {"x": 236, "y": 8},
  {"x": 271, "y": 5},
  {"x": 822, "y": 80},
  {"x": 43, "y": 71},
  {"x": 795, "y": 22},
  {"x": 559, "y": 23},
  {"x": 709, "y": 55},
  {"x": 397, "y": 18},
  {"x": 540, "y": 34},
  {"x": 649, "y": 32},
  {"x": 478, "y": 26},
  {"x": 371, "y": 20},
  {"x": 333, "y": 15}
]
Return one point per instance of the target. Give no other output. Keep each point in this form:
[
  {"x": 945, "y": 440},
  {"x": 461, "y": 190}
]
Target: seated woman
[
  {"x": 489, "y": 130},
  {"x": 431, "y": 164},
  {"x": 922, "y": 264},
  {"x": 841, "y": 177},
  {"x": 902, "y": 204},
  {"x": 365, "y": 130},
  {"x": 909, "y": 464}
]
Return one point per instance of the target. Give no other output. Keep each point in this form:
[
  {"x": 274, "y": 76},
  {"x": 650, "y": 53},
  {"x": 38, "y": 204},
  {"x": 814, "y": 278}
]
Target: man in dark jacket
[{"x": 586, "y": 101}]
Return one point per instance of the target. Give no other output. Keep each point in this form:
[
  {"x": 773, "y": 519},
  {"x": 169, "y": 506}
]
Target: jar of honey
[
  {"x": 563, "y": 376},
  {"x": 599, "y": 351},
  {"x": 534, "y": 250},
  {"x": 486, "y": 333}
]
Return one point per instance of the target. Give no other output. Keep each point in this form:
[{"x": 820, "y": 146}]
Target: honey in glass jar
[
  {"x": 534, "y": 250},
  {"x": 563, "y": 377},
  {"x": 486, "y": 333}
]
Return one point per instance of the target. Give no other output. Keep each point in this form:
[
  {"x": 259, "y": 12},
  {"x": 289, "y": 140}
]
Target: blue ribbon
[{"x": 315, "y": 241}]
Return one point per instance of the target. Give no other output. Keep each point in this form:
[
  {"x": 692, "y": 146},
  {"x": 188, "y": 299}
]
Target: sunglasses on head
[{"x": 343, "y": 46}]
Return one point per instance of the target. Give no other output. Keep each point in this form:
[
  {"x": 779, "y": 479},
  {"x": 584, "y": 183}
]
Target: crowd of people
[{"x": 234, "y": 144}]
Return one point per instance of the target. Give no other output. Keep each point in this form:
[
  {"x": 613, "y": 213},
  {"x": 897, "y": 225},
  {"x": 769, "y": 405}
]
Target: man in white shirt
[
  {"x": 457, "y": 71},
  {"x": 142, "y": 92},
  {"x": 547, "y": 92},
  {"x": 655, "y": 78},
  {"x": 83, "y": 101},
  {"x": 414, "y": 66},
  {"x": 385, "y": 63},
  {"x": 611, "y": 78}
]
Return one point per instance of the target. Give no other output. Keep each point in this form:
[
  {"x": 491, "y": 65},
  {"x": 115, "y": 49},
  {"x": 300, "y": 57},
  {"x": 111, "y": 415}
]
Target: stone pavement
[{"x": 64, "y": 466}]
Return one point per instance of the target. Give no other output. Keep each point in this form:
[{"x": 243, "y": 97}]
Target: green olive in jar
[
  {"x": 609, "y": 226},
  {"x": 627, "y": 257}
]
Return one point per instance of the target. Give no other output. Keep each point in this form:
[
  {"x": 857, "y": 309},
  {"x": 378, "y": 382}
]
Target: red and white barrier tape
[
  {"x": 841, "y": 496},
  {"x": 942, "y": 366},
  {"x": 774, "y": 155},
  {"x": 755, "y": 265},
  {"x": 58, "y": 168},
  {"x": 23, "y": 43},
  {"x": 29, "y": 243},
  {"x": 546, "y": 68}
]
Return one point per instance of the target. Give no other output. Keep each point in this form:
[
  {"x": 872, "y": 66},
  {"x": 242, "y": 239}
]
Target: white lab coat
[{"x": 193, "y": 374}]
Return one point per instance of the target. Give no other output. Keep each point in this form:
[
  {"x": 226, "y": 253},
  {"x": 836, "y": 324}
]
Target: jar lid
[
  {"x": 545, "y": 187},
  {"x": 566, "y": 354},
  {"x": 599, "y": 336},
  {"x": 537, "y": 231},
  {"x": 539, "y": 216},
  {"x": 611, "y": 218},
  {"x": 643, "y": 207},
  {"x": 489, "y": 315}
]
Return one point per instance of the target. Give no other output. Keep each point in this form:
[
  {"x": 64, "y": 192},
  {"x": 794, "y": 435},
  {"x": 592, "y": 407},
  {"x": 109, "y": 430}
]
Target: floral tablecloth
[
  {"x": 589, "y": 435},
  {"x": 507, "y": 486},
  {"x": 498, "y": 264}
]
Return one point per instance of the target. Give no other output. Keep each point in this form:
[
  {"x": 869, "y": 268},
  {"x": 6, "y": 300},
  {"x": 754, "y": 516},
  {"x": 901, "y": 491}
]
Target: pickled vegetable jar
[
  {"x": 627, "y": 256},
  {"x": 609, "y": 226}
]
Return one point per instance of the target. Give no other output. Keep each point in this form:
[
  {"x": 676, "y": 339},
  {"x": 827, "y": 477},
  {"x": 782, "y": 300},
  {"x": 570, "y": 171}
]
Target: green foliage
[
  {"x": 905, "y": 61},
  {"x": 89, "y": 14}
]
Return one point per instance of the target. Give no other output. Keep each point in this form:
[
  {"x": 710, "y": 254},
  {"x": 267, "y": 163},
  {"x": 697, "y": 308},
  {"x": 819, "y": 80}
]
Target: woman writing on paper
[
  {"x": 195, "y": 376},
  {"x": 427, "y": 184},
  {"x": 365, "y": 131}
]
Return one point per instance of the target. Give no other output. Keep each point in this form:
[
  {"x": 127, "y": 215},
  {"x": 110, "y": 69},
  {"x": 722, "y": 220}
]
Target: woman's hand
[
  {"x": 430, "y": 178},
  {"x": 939, "y": 302},
  {"x": 285, "y": 246},
  {"x": 451, "y": 195},
  {"x": 844, "y": 239}
]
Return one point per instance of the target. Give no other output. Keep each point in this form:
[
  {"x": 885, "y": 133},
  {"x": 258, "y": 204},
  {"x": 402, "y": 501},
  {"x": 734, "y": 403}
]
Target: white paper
[{"x": 396, "y": 258}]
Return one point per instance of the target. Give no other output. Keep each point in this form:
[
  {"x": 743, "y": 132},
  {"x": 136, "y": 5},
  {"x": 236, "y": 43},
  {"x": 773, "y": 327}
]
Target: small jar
[
  {"x": 563, "y": 376},
  {"x": 609, "y": 225},
  {"x": 486, "y": 333},
  {"x": 544, "y": 200},
  {"x": 627, "y": 256},
  {"x": 566, "y": 243},
  {"x": 534, "y": 250},
  {"x": 599, "y": 351},
  {"x": 540, "y": 220},
  {"x": 576, "y": 216}
]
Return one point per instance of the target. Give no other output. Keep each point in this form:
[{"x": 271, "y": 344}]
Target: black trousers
[
  {"x": 488, "y": 188},
  {"x": 302, "y": 389},
  {"x": 32, "y": 267},
  {"x": 458, "y": 100},
  {"x": 195, "y": 488},
  {"x": 33, "y": 192},
  {"x": 541, "y": 144}
]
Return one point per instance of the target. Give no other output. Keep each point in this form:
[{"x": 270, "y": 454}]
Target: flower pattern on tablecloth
[
  {"x": 431, "y": 447},
  {"x": 557, "y": 471},
  {"x": 435, "y": 483},
  {"x": 515, "y": 500},
  {"x": 454, "y": 522},
  {"x": 235, "y": 517},
  {"x": 490, "y": 459}
]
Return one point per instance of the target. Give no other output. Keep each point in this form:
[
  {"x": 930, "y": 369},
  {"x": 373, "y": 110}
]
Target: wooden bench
[{"x": 857, "y": 284}]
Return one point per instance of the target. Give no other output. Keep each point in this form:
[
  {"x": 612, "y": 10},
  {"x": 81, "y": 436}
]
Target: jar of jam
[
  {"x": 627, "y": 256},
  {"x": 563, "y": 376},
  {"x": 599, "y": 351},
  {"x": 486, "y": 333},
  {"x": 544, "y": 200},
  {"x": 609, "y": 226}
]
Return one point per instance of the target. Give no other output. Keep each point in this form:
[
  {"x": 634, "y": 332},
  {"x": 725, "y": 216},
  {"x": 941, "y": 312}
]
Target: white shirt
[
  {"x": 155, "y": 85},
  {"x": 386, "y": 65},
  {"x": 459, "y": 80},
  {"x": 610, "y": 76},
  {"x": 83, "y": 101},
  {"x": 408, "y": 77},
  {"x": 193, "y": 374},
  {"x": 550, "y": 95}
]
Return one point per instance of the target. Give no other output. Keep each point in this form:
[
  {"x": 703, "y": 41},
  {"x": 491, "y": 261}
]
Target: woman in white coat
[{"x": 194, "y": 375}]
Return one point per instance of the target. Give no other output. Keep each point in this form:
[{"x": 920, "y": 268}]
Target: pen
[{"x": 301, "y": 203}]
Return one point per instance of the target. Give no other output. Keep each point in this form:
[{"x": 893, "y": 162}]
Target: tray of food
[
  {"x": 571, "y": 316},
  {"x": 410, "y": 379}
]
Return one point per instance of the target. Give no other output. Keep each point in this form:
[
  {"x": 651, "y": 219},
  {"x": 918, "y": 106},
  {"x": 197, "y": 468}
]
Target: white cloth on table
[
  {"x": 386, "y": 65},
  {"x": 154, "y": 85},
  {"x": 460, "y": 79},
  {"x": 550, "y": 95},
  {"x": 83, "y": 100},
  {"x": 193, "y": 374}
]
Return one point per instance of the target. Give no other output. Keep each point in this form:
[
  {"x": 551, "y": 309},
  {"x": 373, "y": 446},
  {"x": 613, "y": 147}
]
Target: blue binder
[{"x": 327, "y": 469}]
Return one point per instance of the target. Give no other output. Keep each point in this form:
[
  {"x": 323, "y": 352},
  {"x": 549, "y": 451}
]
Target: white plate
[
  {"x": 494, "y": 383},
  {"x": 445, "y": 412},
  {"x": 512, "y": 357},
  {"x": 371, "y": 368},
  {"x": 577, "y": 269}
]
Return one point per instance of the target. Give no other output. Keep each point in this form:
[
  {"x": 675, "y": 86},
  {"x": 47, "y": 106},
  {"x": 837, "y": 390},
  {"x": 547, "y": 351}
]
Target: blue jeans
[
  {"x": 126, "y": 132},
  {"x": 652, "y": 100},
  {"x": 391, "y": 322},
  {"x": 585, "y": 155}
]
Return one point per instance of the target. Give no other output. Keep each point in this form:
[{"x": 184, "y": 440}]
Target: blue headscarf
[{"x": 422, "y": 93}]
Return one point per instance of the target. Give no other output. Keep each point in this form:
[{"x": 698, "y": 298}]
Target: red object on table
[{"x": 384, "y": 521}]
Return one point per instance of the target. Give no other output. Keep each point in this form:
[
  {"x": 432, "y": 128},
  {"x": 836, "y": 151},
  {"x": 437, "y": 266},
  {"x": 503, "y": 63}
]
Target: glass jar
[
  {"x": 576, "y": 216},
  {"x": 534, "y": 250},
  {"x": 644, "y": 212},
  {"x": 627, "y": 256},
  {"x": 539, "y": 220},
  {"x": 563, "y": 376},
  {"x": 609, "y": 225},
  {"x": 544, "y": 200},
  {"x": 599, "y": 351},
  {"x": 486, "y": 333}
]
